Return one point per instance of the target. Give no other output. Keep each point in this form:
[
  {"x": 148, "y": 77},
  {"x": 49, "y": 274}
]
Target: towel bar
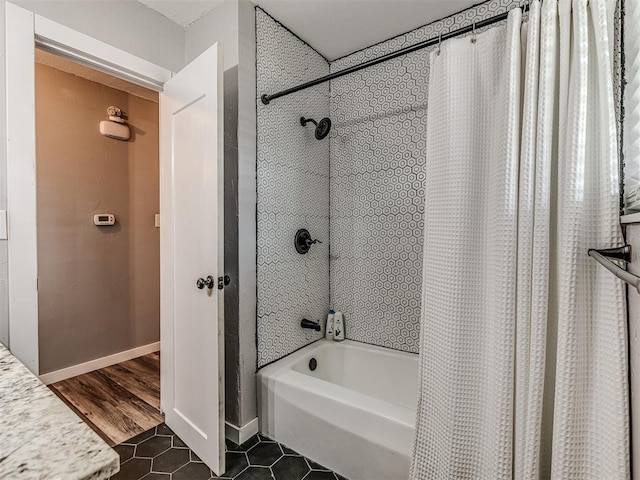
[{"x": 619, "y": 253}]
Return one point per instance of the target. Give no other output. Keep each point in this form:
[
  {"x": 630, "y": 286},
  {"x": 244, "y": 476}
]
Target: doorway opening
[
  {"x": 98, "y": 245},
  {"x": 192, "y": 218}
]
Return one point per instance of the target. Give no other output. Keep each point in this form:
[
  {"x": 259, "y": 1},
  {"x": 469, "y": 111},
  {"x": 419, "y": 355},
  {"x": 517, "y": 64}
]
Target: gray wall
[
  {"x": 231, "y": 298},
  {"x": 219, "y": 25},
  {"x": 232, "y": 24},
  {"x": 632, "y": 236},
  {"x": 98, "y": 287},
  {"x": 247, "y": 210},
  {"x": 125, "y": 24},
  {"x": 293, "y": 192},
  {"x": 377, "y": 185}
]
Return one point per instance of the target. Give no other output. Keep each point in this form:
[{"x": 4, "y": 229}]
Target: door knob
[
  {"x": 201, "y": 282},
  {"x": 223, "y": 281}
]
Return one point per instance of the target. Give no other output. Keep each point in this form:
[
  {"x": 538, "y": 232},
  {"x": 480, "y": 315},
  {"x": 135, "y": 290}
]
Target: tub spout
[{"x": 310, "y": 324}]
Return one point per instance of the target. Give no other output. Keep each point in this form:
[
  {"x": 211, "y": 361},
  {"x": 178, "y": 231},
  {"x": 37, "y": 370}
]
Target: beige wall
[
  {"x": 98, "y": 286},
  {"x": 124, "y": 24}
]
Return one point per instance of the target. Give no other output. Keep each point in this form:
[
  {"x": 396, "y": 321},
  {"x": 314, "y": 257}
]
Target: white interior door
[{"x": 191, "y": 243}]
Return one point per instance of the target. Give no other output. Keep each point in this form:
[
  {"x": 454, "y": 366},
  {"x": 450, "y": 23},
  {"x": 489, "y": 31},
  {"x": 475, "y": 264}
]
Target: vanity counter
[{"x": 40, "y": 437}]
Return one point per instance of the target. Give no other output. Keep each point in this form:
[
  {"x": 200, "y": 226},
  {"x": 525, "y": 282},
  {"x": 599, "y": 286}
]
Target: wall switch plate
[
  {"x": 157, "y": 220},
  {"x": 3, "y": 224}
]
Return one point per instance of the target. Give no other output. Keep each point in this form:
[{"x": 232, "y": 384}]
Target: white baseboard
[
  {"x": 239, "y": 435},
  {"x": 98, "y": 363}
]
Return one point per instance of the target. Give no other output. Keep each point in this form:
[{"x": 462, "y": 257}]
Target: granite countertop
[{"x": 40, "y": 437}]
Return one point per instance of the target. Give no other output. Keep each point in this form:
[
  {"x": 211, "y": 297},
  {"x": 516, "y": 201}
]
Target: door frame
[{"x": 24, "y": 30}]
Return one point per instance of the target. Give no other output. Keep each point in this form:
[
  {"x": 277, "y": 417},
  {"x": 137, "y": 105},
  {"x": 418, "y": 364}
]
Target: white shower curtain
[{"x": 523, "y": 370}]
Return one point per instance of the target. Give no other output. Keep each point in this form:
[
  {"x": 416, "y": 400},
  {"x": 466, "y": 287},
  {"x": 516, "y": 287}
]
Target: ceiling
[
  {"x": 333, "y": 27},
  {"x": 183, "y": 12},
  {"x": 88, "y": 73},
  {"x": 338, "y": 27}
]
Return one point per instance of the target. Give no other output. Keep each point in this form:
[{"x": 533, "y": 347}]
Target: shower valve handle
[{"x": 303, "y": 241}]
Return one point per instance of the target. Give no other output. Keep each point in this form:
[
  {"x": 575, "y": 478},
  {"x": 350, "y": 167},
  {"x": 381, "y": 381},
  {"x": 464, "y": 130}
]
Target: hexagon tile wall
[
  {"x": 377, "y": 185},
  {"x": 293, "y": 192},
  {"x": 376, "y": 196},
  {"x": 375, "y": 159}
]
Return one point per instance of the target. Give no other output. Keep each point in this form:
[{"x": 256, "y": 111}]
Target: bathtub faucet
[{"x": 310, "y": 324}]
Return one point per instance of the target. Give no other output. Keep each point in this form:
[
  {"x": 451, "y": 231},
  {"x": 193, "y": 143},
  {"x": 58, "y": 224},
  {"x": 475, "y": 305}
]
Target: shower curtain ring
[
  {"x": 473, "y": 37},
  {"x": 439, "y": 43}
]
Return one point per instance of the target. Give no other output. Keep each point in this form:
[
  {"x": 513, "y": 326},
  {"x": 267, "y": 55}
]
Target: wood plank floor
[{"x": 117, "y": 402}]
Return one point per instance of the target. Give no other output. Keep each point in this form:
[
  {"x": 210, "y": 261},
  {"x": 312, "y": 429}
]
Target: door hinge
[{"x": 223, "y": 281}]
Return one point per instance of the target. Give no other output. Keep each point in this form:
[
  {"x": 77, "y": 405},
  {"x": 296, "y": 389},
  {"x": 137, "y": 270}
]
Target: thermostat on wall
[{"x": 104, "y": 219}]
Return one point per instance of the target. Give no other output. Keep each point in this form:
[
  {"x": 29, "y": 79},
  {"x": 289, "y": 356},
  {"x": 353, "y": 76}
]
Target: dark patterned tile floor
[{"x": 158, "y": 454}]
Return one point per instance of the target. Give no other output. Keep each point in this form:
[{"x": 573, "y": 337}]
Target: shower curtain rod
[{"x": 403, "y": 51}]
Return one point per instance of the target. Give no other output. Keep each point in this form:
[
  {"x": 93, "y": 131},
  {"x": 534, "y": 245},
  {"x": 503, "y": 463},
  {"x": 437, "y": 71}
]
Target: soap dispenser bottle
[
  {"x": 329, "y": 328},
  {"x": 338, "y": 327}
]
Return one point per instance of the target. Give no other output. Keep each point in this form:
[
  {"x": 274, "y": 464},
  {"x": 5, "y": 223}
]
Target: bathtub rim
[{"x": 283, "y": 371}]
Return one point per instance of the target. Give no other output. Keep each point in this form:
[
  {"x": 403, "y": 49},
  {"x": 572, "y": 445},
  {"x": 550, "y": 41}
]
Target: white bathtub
[{"x": 354, "y": 414}]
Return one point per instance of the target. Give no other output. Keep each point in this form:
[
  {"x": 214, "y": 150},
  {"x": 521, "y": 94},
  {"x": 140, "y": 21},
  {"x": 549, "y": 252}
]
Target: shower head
[{"x": 322, "y": 128}]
